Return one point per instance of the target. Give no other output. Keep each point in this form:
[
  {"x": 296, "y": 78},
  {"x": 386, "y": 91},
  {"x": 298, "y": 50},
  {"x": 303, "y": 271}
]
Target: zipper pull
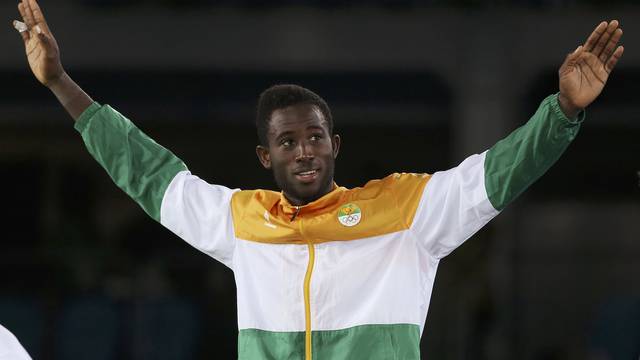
[{"x": 295, "y": 213}]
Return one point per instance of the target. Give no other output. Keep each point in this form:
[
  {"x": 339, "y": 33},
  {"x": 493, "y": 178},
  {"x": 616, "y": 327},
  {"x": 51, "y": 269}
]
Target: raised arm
[
  {"x": 521, "y": 158},
  {"x": 138, "y": 165},
  {"x": 43, "y": 55},
  {"x": 458, "y": 202},
  {"x": 150, "y": 174}
]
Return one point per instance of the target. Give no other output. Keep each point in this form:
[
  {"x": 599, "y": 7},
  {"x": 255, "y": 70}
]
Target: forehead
[{"x": 296, "y": 118}]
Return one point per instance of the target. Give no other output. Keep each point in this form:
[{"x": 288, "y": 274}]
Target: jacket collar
[{"x": 329, "y": 200}]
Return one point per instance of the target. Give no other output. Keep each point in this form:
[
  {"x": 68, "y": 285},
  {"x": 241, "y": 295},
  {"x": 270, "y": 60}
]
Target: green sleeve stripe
[
  {"x": 137, "y": 164},
  {"x": 518, "y": 160}
]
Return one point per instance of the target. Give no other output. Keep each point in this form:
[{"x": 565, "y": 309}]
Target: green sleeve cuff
[
  {"x": 557, "y": 111},
  {"x": 87, "y": 114}
]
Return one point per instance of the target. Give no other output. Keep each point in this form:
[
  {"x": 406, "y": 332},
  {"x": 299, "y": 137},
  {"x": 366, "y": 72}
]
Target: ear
[
  {"x": 263, "y": 156},
  {"x": 335, "y": 140}
]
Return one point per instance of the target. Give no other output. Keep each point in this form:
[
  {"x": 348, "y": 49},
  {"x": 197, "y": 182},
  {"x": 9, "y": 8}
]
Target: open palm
[
  {"x": 42, "y": 50},
  {"x": 585, "y": 71}
]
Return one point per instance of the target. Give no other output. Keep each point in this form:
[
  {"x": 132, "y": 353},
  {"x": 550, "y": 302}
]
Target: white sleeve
[
  {"x": 200, "y": 213},
  {"x": 453, "y": 207},
  {"x": 10, "y": 348}
]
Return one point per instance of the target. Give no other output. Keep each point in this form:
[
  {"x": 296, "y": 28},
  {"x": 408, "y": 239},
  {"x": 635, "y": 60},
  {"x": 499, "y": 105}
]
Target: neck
[{"x": 301, "y": 201}]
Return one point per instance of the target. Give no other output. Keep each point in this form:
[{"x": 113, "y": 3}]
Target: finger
[
  {"x": 613, "y": 60},
  {"x": 28, "y": 15},
  {"x": 595, "y": 35},
  {"x": 604, "y": 39},
  {"x": 37, "y": 14},
  {"x": 23, "y": 13},
  {"x": 22, "y": 29},
  {"x": 611, "y": 45}
]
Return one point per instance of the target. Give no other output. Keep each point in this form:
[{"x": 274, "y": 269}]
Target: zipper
[
  {"x": 307, "y": 302},
  {"x": 306, "y": 289},
  {"x": 296, "y": 214}
]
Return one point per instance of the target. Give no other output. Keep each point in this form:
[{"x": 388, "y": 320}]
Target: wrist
[
  {"x": 58, "y": 81},
  {"x": 568, "y": 108}
]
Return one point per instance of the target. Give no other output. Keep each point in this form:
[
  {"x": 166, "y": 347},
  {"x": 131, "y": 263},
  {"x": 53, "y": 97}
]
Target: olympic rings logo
[{"x": 352, "y": 218}]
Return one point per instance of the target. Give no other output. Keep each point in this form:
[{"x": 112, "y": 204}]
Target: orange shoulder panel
[
  {"x": 255, "y": 218},
  {"x": 380, "y": 207}
]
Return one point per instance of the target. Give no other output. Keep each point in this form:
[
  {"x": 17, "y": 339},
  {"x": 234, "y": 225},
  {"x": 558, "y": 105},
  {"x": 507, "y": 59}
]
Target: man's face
[{"x": 300, "y": 152}]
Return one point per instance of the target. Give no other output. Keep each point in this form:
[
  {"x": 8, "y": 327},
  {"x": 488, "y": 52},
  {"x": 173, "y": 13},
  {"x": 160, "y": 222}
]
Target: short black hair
[{"x": 282, "y": 96}]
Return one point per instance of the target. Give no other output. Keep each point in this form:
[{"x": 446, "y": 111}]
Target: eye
[
  {"x": 316, "y": 137},
  {"x": 286, "y": 142}
]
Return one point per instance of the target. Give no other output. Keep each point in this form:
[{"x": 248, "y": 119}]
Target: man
[
  {"x": 10, "y": 348},
  {"x": 323, "y": 271}
]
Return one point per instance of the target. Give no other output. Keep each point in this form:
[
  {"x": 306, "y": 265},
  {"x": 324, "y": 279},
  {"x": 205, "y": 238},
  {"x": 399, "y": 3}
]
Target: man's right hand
[
  {"x": 42, "y": 50},
  {"x": 44, "y": 59}
]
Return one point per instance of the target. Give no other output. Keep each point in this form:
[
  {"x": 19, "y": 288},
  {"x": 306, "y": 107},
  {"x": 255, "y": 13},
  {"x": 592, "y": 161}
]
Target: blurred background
[{"x": 414, "y": 85}]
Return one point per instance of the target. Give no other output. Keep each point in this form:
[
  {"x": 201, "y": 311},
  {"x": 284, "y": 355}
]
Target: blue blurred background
[{"x": 414, "y": 85}]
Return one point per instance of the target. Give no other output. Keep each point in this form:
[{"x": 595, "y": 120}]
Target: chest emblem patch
[{"x": 349, "y": 215}]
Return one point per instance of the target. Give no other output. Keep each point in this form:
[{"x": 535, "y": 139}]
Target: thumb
[
  {"x": 575, "y": 55},
  {"x": 570, "y": 61},
  {"x": 22, "y": 29}
]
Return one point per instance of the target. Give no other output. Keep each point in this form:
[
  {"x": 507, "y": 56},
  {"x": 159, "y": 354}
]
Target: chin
[
  {"x": 309, "y": 193},
  {"x": 306, "y": 192}
]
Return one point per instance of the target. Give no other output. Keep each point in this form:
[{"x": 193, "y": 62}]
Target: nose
[{"x": 305, "y": 152}]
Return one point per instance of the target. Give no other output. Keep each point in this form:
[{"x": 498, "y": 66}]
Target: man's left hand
[{"x": 586, "y": 70}]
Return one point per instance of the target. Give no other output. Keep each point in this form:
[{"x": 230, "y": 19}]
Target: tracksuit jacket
[{"x": 349, "y": 275}]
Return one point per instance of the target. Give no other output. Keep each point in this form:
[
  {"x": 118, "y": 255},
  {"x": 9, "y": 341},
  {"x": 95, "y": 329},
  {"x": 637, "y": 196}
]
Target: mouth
[{"x": 307, "y": 176}]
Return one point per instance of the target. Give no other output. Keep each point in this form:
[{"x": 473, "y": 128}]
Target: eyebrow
[
  {"x": 320, "y": 127},
  {"x": 281, "y": 135},
  {"x": 287, "y": 133}
]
